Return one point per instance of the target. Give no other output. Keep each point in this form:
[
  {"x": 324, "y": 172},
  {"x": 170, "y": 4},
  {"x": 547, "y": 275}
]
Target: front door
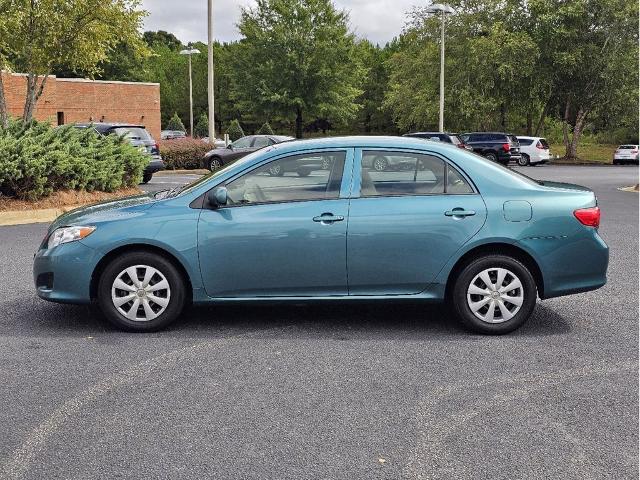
[
  {"x": 279, "y": 235},
  {"x": 413, "y": 213}
]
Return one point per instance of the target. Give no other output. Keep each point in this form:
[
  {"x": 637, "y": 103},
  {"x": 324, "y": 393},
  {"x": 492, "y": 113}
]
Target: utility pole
[{"x": 210, "y": 84}]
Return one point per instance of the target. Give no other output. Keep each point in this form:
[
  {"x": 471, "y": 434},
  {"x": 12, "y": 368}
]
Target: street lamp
[
  {"x": 190, "y": 51},
  {"x": 443, "y": 10}
]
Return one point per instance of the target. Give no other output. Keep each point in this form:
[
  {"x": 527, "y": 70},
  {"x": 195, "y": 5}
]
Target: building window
[{"x": 60, "y": 118}]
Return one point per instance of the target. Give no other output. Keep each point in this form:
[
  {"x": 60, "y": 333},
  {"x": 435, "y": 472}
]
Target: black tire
[
  {"x": 176, "y": 295},
  {"x": 458, "y": 299},
  {"x": 146, "y": 177},
  {"x": 380, "y": 163},
  {"x": 491, "y": 156},
  {"x": 214, "y": 163},
  {"x": 304, "y": 172},
  {"x": 524, "y": 160}
]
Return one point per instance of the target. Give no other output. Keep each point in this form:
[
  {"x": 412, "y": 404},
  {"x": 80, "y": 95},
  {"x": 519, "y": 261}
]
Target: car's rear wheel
[
  {"x": 493, "y": 294},
  {"x": 491, "y": 156},
  {"x": 141, "y": 292},
  {"x": 215, "y": 164},
  {"x": 380, "y": 163},
  {"x": 304, "y": 172},
  {"x": 524, "y": 160}
]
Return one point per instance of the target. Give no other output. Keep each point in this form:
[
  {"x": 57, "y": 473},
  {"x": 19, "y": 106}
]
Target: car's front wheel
[
  {"x": 493, "y": 294},
  {"x": 141, "y": 292}
]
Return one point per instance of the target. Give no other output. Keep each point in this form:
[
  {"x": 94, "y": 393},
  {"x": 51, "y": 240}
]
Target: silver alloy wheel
[
  {"x": 379, "y": 164},
  {"x": 275, "y": 170},
  {"x": 495, "y": 295},
  {"x": 523, "y": 161},
  {"x": 215, "y": 164},
  {"x": 140, "y": 293}
]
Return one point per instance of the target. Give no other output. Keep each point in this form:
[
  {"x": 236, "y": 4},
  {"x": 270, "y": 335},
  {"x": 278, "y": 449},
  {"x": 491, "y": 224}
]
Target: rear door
[{"x": 405, "y": 223}]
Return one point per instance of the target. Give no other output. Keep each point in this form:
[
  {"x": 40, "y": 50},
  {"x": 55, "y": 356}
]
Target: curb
[
  {"x": 24, "y": 217},
  {"x": 195, "y": 171}
]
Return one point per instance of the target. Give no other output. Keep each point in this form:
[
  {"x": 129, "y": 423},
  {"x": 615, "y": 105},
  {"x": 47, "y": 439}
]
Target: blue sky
[{"x": 377, "y": 20}]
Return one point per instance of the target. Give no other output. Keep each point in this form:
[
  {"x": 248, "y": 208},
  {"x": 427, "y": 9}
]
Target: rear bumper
[
  {"x": 155, "y": 164},
  {"x": 570, "y": 264}
]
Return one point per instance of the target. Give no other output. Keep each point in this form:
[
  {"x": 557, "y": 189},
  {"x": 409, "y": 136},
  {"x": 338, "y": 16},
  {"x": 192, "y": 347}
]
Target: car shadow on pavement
[{"x": 373, "y": 320}]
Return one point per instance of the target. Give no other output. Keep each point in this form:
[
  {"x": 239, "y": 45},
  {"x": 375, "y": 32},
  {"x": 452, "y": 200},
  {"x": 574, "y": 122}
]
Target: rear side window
[
  {"x": 525, "y": 141},
  {"x": 544, "y": 143},
  {"x": 456, "y": 183},
  {"x": 454, "y": 139},
  {"x": 133, "y": 133},
  {"x": 497, "y": 137}
]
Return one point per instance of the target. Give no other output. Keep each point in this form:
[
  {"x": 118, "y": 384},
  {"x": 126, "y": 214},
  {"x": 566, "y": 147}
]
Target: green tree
[
  {"x": 161, "y": 37},
  {"x": 74, "y": 34},
  {"x": 297, "y": 58},
  {"x": 234, "y": 130},
  {"x": 175, "y": 123},
  {"x": 201, "y": 128},
  {"x": 265, "y": 129}
]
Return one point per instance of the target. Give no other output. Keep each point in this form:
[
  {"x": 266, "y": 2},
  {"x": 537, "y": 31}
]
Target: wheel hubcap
[
  {"x": 379, "y": 164},
  {"x": 495, "y": 295},
  {"x": 140, "y": 293}
]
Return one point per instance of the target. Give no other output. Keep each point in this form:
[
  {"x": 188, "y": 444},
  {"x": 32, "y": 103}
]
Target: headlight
[{"x": 68, "y": 234}]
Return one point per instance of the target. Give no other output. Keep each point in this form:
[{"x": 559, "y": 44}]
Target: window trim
[
  {"x": 358, "y": 163},
  {"x": 346, "y": 152}
]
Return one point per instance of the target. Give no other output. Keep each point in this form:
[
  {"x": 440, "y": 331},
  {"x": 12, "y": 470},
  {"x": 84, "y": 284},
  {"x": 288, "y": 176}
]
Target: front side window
[
  {"x": 309, "y": 176},
  {"x": 260, "y": 142},
  {"x": 244, "y": 142}
]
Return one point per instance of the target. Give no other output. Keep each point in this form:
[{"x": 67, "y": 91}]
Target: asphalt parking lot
[{"x": 336, "y": 392}]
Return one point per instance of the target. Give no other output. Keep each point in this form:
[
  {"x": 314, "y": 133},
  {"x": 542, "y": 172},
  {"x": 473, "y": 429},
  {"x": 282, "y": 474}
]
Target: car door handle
[
  {"x": 459, "y": 212},
  {"x": 327, "y": 218}
]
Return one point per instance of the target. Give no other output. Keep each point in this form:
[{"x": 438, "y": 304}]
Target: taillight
[
  {"x": 506, "y": 147},
  {"x": 588, "y": 216},
  {"x": 539, "y": 145}
]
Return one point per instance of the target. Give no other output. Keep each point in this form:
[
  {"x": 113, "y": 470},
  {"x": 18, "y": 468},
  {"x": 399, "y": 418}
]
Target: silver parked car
[{"x": 626, "y": 154}]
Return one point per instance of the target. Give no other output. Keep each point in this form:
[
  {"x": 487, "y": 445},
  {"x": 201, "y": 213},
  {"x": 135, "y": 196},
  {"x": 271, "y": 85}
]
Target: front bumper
[{"x": 63, "y": 273}]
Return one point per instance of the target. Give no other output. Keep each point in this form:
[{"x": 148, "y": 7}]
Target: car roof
[
  {"x": 363, "y": 141},
  {"x": 527, "y": 137},
  {"x": 107, "y": 125}
]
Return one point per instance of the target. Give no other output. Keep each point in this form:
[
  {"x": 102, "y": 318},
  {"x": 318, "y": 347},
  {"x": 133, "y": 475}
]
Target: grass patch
[
  {"x": 587, "y": 153},
  {"x": 65, "y": 198}
]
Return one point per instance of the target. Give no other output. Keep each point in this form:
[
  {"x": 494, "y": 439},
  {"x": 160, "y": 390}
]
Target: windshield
[{"x": 218, "y": 173}]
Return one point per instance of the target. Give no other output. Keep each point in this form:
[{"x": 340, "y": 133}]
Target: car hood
[{"x": 102, "y": 211}]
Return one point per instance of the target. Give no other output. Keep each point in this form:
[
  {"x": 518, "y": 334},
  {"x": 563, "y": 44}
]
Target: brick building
[{"x": 70, "y": 100}]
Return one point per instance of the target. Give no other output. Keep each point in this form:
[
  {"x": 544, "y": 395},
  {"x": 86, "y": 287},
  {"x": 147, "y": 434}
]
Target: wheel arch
[
  {"x": 138, "y": 247},
  {"x": 498, "y": 248}
]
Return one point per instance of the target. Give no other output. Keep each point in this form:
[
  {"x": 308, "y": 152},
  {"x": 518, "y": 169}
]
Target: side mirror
[
  {"x": 218, "y": 197},
  {"x": 230, "y": 146}
]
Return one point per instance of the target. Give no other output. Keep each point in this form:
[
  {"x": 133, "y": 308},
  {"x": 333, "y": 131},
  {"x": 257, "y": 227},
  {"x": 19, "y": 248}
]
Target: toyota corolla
[{"x": 447, "y": 226}]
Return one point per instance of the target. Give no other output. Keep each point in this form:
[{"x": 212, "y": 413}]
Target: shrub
[
  {"x": 201, "y": 128},
  {"x": 234, "y": 130},
  {"x": 175, "y": 123},
  {"x": 265, "y": 129},
  {"x": 36, "y": 159},
  {"x": 186, "y": 153}
]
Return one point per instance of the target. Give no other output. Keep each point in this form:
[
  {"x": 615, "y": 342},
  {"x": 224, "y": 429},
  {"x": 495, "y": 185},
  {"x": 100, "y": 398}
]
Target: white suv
[
  {"x": 626, "y": 153},
  {"x": 534, "y": 150}
]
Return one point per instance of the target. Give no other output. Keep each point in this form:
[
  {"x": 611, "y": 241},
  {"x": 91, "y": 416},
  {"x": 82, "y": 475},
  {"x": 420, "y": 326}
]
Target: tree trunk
[
  {"x": 543, "y": 115},
  {"x": 529, "y": 122},
  {"x": 565, "y": 127},
  {"x": 503, "y": 119},
  {"x": 4, "y": 114},
  {"x": 34, "y": 92},
  {"x": 298, "y": 122},
  {"x": 572, "y": 152}
]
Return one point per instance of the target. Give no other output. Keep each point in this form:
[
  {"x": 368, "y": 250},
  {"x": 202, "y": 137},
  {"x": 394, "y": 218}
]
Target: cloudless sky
[{"x": 376, "y": 20}]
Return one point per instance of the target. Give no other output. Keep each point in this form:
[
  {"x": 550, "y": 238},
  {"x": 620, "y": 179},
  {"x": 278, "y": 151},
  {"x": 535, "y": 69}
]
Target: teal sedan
[{"x": 439, "y": 224}]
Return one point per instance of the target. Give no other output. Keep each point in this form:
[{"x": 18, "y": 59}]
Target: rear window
[
  {"x": 134, "y": 133},
  {"x": 627, "y": 147},
  {"x": 525, "y": 141}
]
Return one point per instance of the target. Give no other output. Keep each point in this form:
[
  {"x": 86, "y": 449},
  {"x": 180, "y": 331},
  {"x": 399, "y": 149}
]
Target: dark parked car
[
  {"x": 496, "y": 146},
  {"x": 219, "y": 157},
  {"x": 138, "y": 136},
  {"x": 444, "y": 137}
]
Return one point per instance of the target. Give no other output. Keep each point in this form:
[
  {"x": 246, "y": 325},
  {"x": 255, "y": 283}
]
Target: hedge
[
  {"x": 184, "y": 153},
  {"x": 36, "y": 160}
]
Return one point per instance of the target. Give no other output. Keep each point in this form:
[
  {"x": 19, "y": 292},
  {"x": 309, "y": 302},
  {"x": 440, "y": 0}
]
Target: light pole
[
  {"x": 443, "y": 10},
  {"x": 190, "y": 51},
  {"x": 212, "y": 127}
]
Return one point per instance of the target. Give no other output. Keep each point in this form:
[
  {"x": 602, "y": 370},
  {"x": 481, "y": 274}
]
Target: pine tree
[
  {"x": 265, "y": 129},
  {"x": 201, "y": 128},
  {"x": 234, "y": 130},
  {"x": 175, "y": 123}
]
